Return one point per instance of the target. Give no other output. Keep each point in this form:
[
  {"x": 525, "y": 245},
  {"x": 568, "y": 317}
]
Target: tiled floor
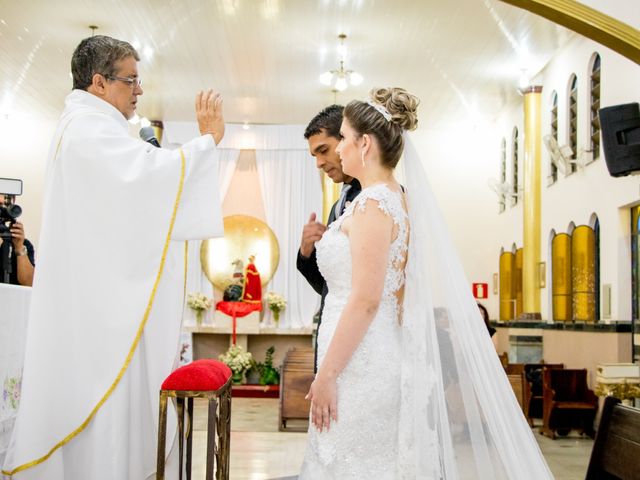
[{"x": 260, "y": 452}]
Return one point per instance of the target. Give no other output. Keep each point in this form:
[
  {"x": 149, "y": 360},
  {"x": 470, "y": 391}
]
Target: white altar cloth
[{"x": 14, "y": 313}]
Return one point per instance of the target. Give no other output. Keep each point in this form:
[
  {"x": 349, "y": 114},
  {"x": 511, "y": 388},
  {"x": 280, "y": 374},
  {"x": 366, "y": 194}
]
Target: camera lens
[{"x": 14, "y": 211}]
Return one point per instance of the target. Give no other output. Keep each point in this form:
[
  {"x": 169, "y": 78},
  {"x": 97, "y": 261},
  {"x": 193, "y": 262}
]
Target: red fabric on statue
[
  {"x": 200, "y": 375},
  {"x": 252, "y": 292},
  {"x": 238, "y": 309}
]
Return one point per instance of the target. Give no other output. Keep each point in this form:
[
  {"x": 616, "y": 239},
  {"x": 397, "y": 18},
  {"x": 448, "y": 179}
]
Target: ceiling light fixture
[{"x": 341, "y": 78}]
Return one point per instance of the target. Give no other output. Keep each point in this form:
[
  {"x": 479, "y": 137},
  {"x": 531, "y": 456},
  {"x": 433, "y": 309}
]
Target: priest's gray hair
[{"x": 98, "y": 54}]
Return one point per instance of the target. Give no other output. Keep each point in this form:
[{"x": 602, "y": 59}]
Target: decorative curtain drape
[
  {"x": 196, "y": 279},
  {"x": 291, "y": 190}
]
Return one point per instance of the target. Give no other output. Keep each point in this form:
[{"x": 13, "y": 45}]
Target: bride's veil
[{"x": 459, "y": 417}]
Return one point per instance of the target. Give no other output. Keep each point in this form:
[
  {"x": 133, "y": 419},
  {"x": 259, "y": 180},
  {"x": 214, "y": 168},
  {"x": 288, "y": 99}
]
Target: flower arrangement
[
  {"x": 237, "y": 360},
  {"x": 276, "y": 304},
  {"x": 199, "y": 303}
]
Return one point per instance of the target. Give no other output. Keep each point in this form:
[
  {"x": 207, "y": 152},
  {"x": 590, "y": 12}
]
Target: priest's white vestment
[{"x": 108, "y": 295}]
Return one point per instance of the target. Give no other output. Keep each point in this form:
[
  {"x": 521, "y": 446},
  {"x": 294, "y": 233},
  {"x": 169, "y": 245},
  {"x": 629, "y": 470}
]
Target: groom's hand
[
  {"x": 209, "y": 114},
  {"x": 311, "y": 233}
]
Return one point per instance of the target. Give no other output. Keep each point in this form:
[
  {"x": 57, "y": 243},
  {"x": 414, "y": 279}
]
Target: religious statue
[
  {"x": 238, "y": 274},
  {"x": 252, "y": 292},
  {"x": 233, "y": 292}
]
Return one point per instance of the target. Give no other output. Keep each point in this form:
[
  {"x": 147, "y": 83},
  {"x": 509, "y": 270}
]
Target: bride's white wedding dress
[
  {"x": 363, "y": 443},
  {"x": 425, "y": 397}
]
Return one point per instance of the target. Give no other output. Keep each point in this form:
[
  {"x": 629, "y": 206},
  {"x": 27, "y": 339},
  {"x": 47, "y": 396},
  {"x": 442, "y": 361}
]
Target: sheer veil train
[{"x": 459, "y": 417}]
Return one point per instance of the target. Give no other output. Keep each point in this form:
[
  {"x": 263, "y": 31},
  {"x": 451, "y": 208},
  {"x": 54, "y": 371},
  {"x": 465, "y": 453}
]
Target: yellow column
[
  {"x": 330, "y": 194},
  {"x": 531, "y": 203}
]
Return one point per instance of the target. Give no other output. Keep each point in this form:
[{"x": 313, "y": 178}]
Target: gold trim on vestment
[
  {"x": 186, "y": 262},
  {"x": 135, "y": 342}
]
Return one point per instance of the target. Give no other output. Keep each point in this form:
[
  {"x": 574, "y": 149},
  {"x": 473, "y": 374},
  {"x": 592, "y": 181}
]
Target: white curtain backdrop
[
  {"x": 196, "y": 279},
  {"x": 291, "y": 191},
  {"x": 257, "y": 137}
]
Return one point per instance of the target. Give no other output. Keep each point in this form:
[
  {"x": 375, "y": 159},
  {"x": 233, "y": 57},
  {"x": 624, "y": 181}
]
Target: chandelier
[{"x": 341, "y": 78}]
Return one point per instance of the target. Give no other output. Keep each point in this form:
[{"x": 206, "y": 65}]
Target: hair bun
[{"x": 402, "y": 106}]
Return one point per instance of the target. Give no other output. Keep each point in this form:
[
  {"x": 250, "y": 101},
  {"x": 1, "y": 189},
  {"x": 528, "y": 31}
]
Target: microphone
[{"x": 148, "y": 135}]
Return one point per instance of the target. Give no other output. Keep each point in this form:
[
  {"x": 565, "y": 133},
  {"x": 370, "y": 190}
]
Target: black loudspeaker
[{"x": 620, "y": 127}]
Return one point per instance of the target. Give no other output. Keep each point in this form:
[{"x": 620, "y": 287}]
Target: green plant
[{"x": 268, "y": 374}]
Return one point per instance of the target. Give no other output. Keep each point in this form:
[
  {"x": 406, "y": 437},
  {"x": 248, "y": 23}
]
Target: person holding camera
[{"x": 23, "y": 258}]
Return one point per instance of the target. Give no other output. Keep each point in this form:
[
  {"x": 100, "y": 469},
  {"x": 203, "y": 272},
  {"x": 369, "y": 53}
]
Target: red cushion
[{"x": 200, "y": 375}]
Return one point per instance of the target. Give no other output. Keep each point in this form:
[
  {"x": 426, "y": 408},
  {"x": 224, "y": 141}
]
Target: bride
[{"x": 408, "y": 385}]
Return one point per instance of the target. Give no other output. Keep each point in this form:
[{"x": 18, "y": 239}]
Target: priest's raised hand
[{"x": 209, "y": 114}]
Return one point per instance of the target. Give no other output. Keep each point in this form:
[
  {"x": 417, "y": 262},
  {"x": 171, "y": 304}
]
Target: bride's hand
[{"x": 323, "y": 395}]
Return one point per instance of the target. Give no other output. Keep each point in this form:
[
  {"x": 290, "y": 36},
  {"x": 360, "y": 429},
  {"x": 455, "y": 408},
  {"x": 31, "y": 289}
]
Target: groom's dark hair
[{"x": 329, "y": 120}]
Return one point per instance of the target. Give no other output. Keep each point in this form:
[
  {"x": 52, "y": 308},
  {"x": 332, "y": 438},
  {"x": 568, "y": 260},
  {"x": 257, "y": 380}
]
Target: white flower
[
  {"x": 237, "y": 359},
  {"x": 198, "y": 301},
  {"x": 275, "y": 301}
]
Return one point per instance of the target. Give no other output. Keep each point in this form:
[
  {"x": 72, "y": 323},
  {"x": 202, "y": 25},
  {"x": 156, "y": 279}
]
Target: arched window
[
  {"x": 595, "y": 224},
  {"x": 507, "y": 285},
  {"x": 635, "y": 263},
  {"x": 583, "y": 273},
  {"x": 511, "y": 283},
  {"x": 519, "y": 297},
  {"x": 503, "y": 172},
  {"x": 594, "y": 142},
  {"x": 572, "y": 121},
  {"x": 515, "y": 166},
  {"x": 561, "y": 277},
  {"x": 553, "y": 170}
]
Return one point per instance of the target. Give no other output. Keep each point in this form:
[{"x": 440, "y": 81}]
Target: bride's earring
[{"x": 362, "y": 157}]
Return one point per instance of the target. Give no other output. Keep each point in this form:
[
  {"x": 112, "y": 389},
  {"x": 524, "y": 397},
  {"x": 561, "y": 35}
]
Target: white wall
[
  {"x": 459, "y": 159},
  {"x": 24, "y": 144},
  {"x": 576, "y": 197}
]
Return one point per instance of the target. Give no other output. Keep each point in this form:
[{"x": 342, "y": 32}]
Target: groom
[{"x": 323, "y": 135}]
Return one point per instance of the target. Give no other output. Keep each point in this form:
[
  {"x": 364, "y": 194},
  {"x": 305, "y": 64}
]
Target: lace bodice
[{"x": 334, "y": 255}]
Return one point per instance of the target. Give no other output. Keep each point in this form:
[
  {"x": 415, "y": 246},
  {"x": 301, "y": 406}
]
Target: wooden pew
[
  {"x": 504, "y": 359},
  {"x": 296, "y": 376},
  {"x": 567, "y": 402},
  {"x": 514, "y": 373},
  {"x": 532, "y": 389},
  {"x": 616, "y": 451}
]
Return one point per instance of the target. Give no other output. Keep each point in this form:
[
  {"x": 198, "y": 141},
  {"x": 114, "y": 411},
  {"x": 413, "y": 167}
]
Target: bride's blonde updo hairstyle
[{"x": 401, "y": 111}]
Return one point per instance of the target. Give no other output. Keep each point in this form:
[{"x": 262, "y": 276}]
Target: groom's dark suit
[{"x": 308, "y": 266}]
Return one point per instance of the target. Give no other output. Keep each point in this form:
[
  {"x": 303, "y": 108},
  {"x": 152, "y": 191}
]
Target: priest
[{"x": 108, "y": 293}]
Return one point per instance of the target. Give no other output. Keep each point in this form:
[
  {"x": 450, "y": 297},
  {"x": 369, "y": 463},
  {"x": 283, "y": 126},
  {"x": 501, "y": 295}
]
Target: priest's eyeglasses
[{"x": 132, "y": 81}]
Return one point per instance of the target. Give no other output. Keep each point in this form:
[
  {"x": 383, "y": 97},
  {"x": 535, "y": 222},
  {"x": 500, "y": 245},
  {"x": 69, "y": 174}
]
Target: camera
[{"x": 9, "y": 211}]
